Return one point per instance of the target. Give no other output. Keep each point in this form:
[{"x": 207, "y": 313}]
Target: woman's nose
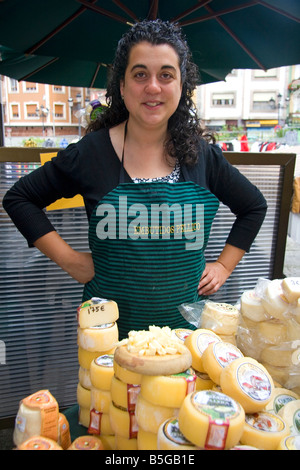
[{"x": 153, "y": 85}]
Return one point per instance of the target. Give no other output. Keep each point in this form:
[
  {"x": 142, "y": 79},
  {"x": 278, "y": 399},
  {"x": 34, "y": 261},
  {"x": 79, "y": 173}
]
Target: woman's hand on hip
[{"x": 213, "y": 277}]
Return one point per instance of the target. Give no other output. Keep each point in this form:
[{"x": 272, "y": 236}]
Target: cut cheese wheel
[
  {"x": 123, "y": 443},
  {"x": 280, "y": 397},
  {"x": 150, "y": 365},
  {"x": 97, "y": 311},
  {"x": 197, "y": 342},
  {"x": 203, "y": 381},
  {"x": 291, "y": 288},
  {"x": 102, "y": 371},
  {"x": 168, "y": 390},
  {"x": 123, "y": 422},
  {"x": 290, "y": 413},
  {"x": 84, "y": 377},
  {"x": 251, "y": 306},
  {"x": 149, "y": 416},
  {"x": 248, "y": 382},
  {"x": 98, "y": 338},
  {"x": 222, "y": 318},
  {"x": 217, "y": 356},
  {"x": 86, "y": 443},
  {"x": 100, "y": 399},
  {"x": 274, "y": 301},
  {"x": 123, "y": 394},
  {"x": 83, "y": 396},
  {"x": 99, "y": 423},
  {"x": 264, "y": 430},
  {"x": 39, "y": 443},
  {"x": 84, "y": 416},
  {"x": 86, "y": 357},
  {"x": 146, "y": 440},
  {"x": 284, "y": 355},
  {"x": 38, "y": 415},
  {"x": 211, "y": 420},
  {"x": 169, "y": 437},
  {"x": 289, "y": 443},
  {"x": 126, "y": 376},
  {"x": 64, "y": 436}
]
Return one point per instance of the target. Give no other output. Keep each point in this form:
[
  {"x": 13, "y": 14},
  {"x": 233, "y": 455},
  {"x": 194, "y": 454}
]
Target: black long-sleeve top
[{"x": 91, "y": 168}]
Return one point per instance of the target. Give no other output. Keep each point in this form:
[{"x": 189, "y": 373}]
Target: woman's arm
[
  {"x": 78, "y": 265},
  {"x": 215, "y": 274}
]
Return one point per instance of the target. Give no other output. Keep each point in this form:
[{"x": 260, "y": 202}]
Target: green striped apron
[{"x": 147, "y": 241}]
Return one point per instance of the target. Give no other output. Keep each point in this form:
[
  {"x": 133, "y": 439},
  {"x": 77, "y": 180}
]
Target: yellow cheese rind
[
  {"x": 264, "y": 430},
  {"x": 86, "y": 443},
  {"x": 217, "y": 356},
  {"x": 248, "y": 382},
  {"x": 99, "y": 423},
  {"x": 169, "y": 437},
  {"x": 98, "y": 338},
  {"x": 123, "y": 422},
  {"x": 123, "y": 443},
  {"x": 97, "y": 311},
  {"x": 290, "y": 413},
  {"x": 126, "y": 376},
  {"x": 123, "y": 394},
  {"x": 280, "y": 397},
  {"x": 168, "y": 390},
  {"x": 146, "y": 440},
  {"x": 289, "y": 443},
  {"x": 197, "y": 342},
  {"x": 211, "y": 420},
  {"x": 86, "y": 357},
  {"x": 39, "y": 443},
  {"x": 100, "y": 400},
  {"x": 102, "y": 371},
  {"x": 84, "y": 377},
  {"x": 149, "y": 416},
  {"x": 83, "y": 396}
]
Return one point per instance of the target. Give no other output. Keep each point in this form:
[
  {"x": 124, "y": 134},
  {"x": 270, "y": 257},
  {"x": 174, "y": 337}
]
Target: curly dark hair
[{"x": 184, "y": 129}]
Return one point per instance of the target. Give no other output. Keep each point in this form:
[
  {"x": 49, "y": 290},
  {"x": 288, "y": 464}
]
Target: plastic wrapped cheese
[
  {"x": 251, "y": 306},
  {"x": 222, "y": 318},
  {"x": 274, "y": 301}
]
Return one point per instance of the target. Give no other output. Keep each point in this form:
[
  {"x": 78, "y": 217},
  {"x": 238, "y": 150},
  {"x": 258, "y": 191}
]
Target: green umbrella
[{"x": 72, "y": 42}]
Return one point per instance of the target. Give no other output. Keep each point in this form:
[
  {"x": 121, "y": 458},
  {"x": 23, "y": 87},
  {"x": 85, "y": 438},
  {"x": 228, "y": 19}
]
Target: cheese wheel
[
  {"x": 248, "y": 382},
  {"x": 86, "y": 443},
  {"x": 182, "y": 333},
  {"x": 37, "y": 415},
  {"x": 293, "y": 330},
  {"x": 123, "y": 443},
  {"x": 146, "y": 440},
  {"x": 284, "y": 355},
  {"x": 290, "y": 413},
  {"x": 228, "y": 339},
  {"x": 99, "y": 423},
  {"x": 97, "y": 311},
  {"x": 274, "y": 301},
  {"x": 149, "y": 416},
  {"x": 123, "y": 394},
  {"x": 102, "y": 371},
  {"x": 64, "y": 436},
  {"x": 169, "y": 437},
  {"x": 251, "y": 306},
  {"x": 289, "y": 443},
  {"x": 83, "y": 396},
  {"x": 39, "y": 443},
  {"x": 168, "y": 390},
  {"x": 264, "y": 430},
  {"x": 222, "y": 318},
  {"x": 203, "y": 381},
  {"x": 211, "y": 420},
  {"x": 197, "y": 342},
  {"x": 280, "y": 397},
  {"x": 123, "y": 422},
  {"x": 86, "y": 357},
  {"x": 217, "y": 356},
  {"x": 100, "y": 399},
  {"x": 291, "y": 288},
  {"x": 98, "y": 338},
  {"x": 84, "y": 377},
  {"x": 109, "y": 442},
  {"x": 126, "y": 376},
  {"x": 272, "y": 331},
  {"x": 84, "y": 416}
]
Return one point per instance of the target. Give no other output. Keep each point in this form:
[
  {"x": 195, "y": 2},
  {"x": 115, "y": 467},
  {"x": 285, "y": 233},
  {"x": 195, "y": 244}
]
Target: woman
[{"x": 151, "y": 182}]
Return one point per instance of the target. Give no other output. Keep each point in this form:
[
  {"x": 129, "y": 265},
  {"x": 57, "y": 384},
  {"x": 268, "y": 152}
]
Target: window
[
  {"x": 30, "y": 87},
  {"x": 13, "y": 85},
  {"x": 14, "y": 111},
  {"x": 271, "y": 73},
  {"x": 31, "y": 110},
  {"x": 223, "y": 99},
  {"x": 58, "y": 89},
  {"x": 59, "y": 111},
  {"x": 261, "y": 100}
]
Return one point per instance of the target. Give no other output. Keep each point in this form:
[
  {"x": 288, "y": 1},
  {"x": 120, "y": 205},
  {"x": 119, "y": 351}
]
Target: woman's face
[{"x": 152, "y": 84}]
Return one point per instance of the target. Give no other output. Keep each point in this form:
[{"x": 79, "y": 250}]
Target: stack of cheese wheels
[
  {"x": 125, "y": 388},
  {"x": 101, "y": 375},
  {"x": 270, "y": 329},
  {"x": 97, "y": 335},
  {"x": 222, "y": 319},
  {"x": 163, "y": 363},
  {"x": 38, "y": 416}
]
